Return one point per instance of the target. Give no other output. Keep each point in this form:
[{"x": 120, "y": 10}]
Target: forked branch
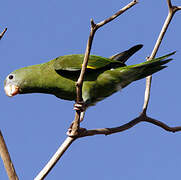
[
  {"x": 102, "y": 131},
  {"x": 79, "y": 84},
  {"x": 75, "y": 128},
  {"x": 106, "y": 131}
]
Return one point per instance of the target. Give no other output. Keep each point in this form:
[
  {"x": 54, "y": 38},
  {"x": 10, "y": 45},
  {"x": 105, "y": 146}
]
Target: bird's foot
[
  {"x": 69, "y": 132},
  {"x": 80, "y": 106}
]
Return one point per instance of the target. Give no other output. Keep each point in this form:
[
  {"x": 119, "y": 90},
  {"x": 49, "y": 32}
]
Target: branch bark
[
  {"x": 132, "y": 123},
  {"x": 55, "y": 158},
  {"x": 171, "y": 12},
  {"x": 2, "y": 34},
  {"x": 79, "y": 84},
  {"x": 7, "y": 160}
]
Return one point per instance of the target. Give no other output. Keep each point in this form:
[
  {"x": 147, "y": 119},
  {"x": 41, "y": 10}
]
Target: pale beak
[{"x": 11, "y": 90}]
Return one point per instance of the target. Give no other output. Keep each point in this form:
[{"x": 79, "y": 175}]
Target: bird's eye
[{"x": 11, "y": 76}]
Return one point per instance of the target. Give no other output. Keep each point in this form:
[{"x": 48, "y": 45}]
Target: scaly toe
[{"x": 79, "y": 106}]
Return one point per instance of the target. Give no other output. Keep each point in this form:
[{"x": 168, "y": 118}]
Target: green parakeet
[{"x": 104, "y": 76}]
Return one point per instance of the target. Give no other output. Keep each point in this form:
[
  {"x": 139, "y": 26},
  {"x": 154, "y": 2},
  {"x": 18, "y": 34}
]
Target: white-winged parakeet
[{"x": 104, "y": 76}]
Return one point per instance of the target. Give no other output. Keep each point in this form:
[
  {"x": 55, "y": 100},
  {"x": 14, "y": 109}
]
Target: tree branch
[
  {"x": 79, "y": 84},
  {"x": 68, "y": 141},
  {"x": 75, "y": 128},
  {"x": 7, "y": 160},
  {"x": 2, "y": 34},
  {"x": 172, "y": 10},
  {"x": 108, "y": 131},
  {"x": 102, "y": 131},
  {"x": 3, "y": 148}
]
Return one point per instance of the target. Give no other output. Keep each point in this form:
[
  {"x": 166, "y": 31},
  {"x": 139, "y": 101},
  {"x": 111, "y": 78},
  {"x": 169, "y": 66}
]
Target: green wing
[{"x": 74, "y": 62}]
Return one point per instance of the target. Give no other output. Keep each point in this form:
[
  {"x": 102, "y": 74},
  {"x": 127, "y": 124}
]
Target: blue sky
[{"x": 34, "y": 125}]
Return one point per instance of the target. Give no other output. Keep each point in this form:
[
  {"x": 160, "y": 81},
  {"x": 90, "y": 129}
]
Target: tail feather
[
  {"x": 148, "y": 72},
  {"x": 157, "y": 61},
  {"x": 142, "y": 70}
]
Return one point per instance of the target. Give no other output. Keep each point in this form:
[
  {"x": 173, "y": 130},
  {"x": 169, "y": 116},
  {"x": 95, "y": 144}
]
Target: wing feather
[{"x": 74, "y": 62}]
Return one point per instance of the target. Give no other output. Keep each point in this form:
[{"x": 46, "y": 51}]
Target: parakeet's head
[
  {"x": 18, "y": 81},
  {"x": 11, "y": 85},
  {"x": 40, "y": 78}
]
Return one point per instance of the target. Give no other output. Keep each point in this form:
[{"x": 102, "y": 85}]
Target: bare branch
[
  {"x": 79, "y": 83},
  {"x": 102, "y": 131},
  {"x": 169, "y": 4},
  {"x": 7, "y": 160},
  {"x": 142, "y": 118},
  {"x": 117, "y": 14},
  {"x": 68, "y": 141},
  {"x": 2, "y": 34},
  {"x": 3, "y": 148},
  {"x": 172, "y": 10}
]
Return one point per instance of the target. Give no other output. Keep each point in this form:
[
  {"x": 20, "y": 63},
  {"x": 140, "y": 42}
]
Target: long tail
[{"x": 142, "y": 70}]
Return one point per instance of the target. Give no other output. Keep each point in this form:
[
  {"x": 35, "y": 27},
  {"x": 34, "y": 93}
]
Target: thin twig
[
  {"x": 7, "y": 160},
  {"x": 171, "y": 12},
  {"x": 108, "y": 131},
  {"x": 68, "y": 141},
  {"x": 79, "y": 84},
  {"x": 3, "y": 148},
  {"x": 2, "y": 34}
]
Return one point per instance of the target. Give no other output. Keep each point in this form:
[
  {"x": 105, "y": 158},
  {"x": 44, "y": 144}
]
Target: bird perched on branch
[{"x": 104, "y": 76}]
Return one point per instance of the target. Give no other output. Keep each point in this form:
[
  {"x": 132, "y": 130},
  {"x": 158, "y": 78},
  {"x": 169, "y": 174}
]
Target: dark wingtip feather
[
  {"x": 137, "y": 47},
  {"x": 124, "y": 56}
]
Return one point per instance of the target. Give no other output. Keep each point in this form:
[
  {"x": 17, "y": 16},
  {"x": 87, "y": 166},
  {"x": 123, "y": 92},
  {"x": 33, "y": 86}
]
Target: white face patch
[{"x": 11, "y": 90}]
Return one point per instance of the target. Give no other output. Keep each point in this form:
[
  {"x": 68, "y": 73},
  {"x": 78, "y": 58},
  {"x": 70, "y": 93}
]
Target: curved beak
[{"x": 11, "y": 90}]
